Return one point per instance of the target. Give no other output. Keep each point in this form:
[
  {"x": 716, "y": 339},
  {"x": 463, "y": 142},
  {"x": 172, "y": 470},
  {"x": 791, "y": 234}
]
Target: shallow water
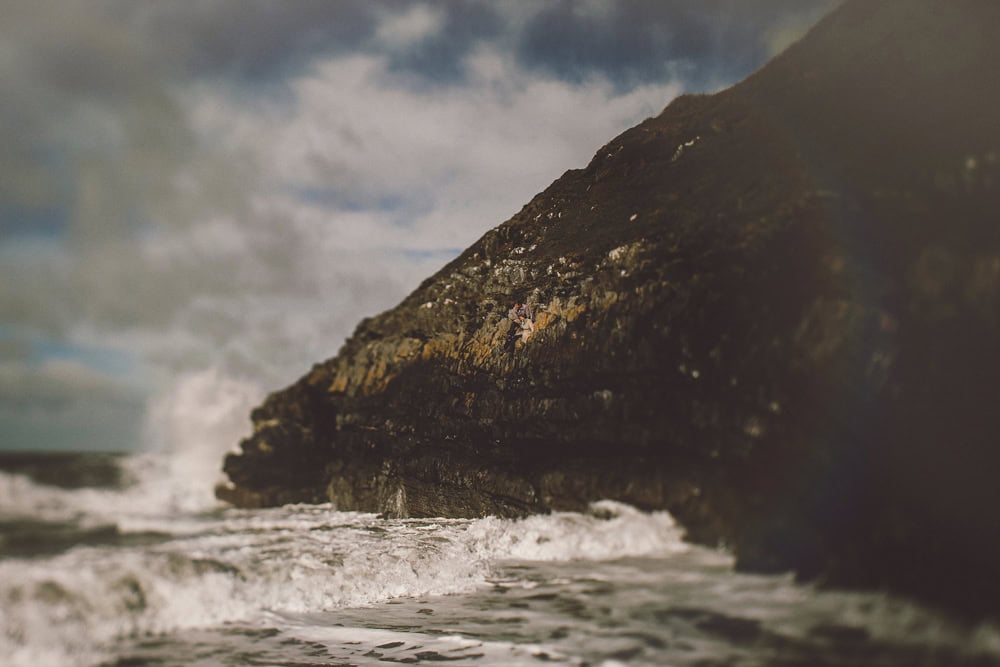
[{"x": 134, "y": 576}]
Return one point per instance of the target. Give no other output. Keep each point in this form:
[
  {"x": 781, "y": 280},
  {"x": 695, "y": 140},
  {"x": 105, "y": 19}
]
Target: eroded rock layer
[{"x": 773, "y": 311}]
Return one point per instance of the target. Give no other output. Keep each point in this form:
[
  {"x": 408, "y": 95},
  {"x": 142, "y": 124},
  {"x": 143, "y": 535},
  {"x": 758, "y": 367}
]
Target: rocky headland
[{"x": 773, "y": 311}]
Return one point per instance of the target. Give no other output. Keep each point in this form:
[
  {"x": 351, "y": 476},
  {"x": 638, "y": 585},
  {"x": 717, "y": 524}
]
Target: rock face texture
[{"x": 773, "y": 311}]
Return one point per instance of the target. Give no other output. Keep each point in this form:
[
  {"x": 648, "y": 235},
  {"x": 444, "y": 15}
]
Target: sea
[{"x": 127, "y": 560}]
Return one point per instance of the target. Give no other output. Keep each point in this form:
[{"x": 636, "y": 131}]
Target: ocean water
[{"x": 112, "y": 561}]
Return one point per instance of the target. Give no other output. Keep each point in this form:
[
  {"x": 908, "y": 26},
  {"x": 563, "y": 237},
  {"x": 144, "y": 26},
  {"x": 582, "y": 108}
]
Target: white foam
[
  {"x": 290, "y": 560},
  {"x": 23, "y": 498},
  {"x": 568, "y": 535}
]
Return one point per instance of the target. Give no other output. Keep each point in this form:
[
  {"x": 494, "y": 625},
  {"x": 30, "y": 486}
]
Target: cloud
[
  {"x": 402, "y": 31},
  {"x": 87, "y": 123},
  {"x": 349, "y": 138},
  {"x": 708, "y": 43},
  {"x": 248, "y": 41}
]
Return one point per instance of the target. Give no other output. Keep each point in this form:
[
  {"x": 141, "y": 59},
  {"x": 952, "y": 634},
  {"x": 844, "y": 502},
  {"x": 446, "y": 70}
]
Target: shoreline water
[{"x": 111, "y": 581}]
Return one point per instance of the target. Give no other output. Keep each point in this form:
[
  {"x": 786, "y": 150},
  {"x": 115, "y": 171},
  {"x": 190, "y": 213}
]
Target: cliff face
[{"x": 773, "y": 311}]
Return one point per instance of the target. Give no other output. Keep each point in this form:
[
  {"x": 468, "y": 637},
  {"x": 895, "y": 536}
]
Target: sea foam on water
[{"x": 236, "y": 565}]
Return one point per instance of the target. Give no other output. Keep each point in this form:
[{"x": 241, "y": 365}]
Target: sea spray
[{"x": 189, "y": 427}]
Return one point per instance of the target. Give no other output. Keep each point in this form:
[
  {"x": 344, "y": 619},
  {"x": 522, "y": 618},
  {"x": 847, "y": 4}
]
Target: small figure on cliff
[{"x": 520, "y": 315}]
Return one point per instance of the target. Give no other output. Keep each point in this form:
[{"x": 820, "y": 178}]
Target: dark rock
[{"x": 773, "y": 311}]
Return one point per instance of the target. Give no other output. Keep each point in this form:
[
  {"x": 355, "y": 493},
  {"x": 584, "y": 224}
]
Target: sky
[{"x": 198, "y": 200}]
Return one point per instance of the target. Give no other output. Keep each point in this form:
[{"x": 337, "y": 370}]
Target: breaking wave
[{"x": 236, "y": 565}]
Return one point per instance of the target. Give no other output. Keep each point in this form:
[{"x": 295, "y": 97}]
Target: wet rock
[{"x": 773, "y": 311}]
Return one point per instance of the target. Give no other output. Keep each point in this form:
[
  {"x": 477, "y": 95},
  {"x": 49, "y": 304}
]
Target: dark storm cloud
[
  {"x": 251, "y": 39},
  {"x": 439, "y": 58},
  {"x": 66, "y": 72},
  {"x": 261, "y": 41},
  {"x": 630, "y": 42},
  {"x": 646, "y": 40}
]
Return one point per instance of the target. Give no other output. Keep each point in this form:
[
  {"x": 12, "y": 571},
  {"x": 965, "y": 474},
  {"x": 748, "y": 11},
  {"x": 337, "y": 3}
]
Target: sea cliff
[{"x": 773, "y": 311}]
